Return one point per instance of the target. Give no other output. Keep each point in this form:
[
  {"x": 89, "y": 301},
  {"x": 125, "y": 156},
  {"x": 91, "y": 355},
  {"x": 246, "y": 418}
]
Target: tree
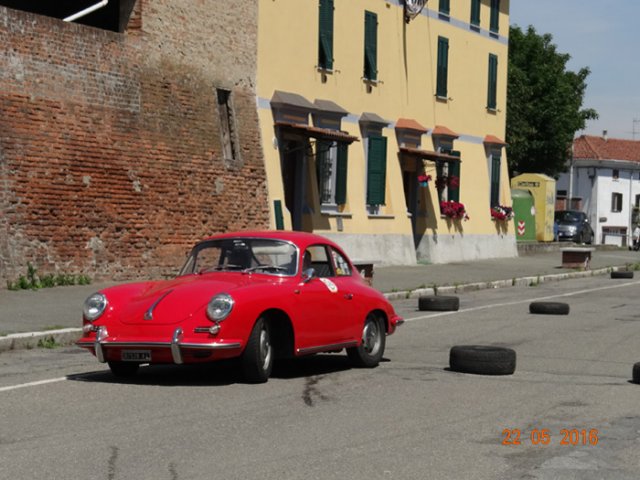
[{"x": 544, "y": 104}]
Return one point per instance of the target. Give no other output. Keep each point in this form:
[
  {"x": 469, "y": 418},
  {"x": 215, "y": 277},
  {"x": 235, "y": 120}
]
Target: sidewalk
[{"x": 27, "y": 317}]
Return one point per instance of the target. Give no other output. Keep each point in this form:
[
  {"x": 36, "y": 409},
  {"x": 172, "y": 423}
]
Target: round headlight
[
  {"x": 219, "y": 307},
  {"x": 94, "y": 306}
]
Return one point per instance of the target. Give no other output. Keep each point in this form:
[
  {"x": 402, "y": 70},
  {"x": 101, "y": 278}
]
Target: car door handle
[{"x": 348, "y": 296}]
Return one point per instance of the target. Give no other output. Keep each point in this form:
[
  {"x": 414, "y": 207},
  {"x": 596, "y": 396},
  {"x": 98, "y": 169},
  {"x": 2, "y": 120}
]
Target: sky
[{"x": 604, "y": 36}]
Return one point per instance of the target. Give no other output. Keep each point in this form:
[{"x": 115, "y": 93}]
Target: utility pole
[{"x": 634, "y": 122}]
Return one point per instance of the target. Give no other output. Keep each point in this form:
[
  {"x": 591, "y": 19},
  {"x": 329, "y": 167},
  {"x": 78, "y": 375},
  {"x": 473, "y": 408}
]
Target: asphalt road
[{"x": 65, "y": 417}]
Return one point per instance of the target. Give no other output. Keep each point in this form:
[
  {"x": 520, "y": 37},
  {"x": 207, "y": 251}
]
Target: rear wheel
[
  {"x": 257, "y": 358},
  {"x": 124, "y": 369},
  {"x": 369, "y": 353}
]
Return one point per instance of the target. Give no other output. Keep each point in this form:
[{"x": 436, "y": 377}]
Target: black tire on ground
[
  {"x": 258, "y": 356},
  {"x": 549, "y": 308},
  {"x": 439, "y": 303},
  {"x": 124, "y": 369},
  {"x": 369, "y": 353},
  {"x": 636, "y": 373},
  {"x": 482, "y": 360},
  {"x": 622, "y": 274}
]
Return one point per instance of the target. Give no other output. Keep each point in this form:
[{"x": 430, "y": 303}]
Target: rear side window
[{"x": 341, "y": 265}]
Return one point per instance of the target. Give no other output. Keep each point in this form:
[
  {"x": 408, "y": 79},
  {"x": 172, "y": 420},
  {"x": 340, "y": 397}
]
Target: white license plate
[{"x": 136, "y": 355}]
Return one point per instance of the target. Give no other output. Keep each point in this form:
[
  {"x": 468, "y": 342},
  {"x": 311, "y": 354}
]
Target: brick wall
[{"x": 110, "y": 155}]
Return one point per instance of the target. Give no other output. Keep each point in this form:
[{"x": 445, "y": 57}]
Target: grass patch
[
  {"x": 33, "y": 281},
  {"x": 48, "y": 343}
]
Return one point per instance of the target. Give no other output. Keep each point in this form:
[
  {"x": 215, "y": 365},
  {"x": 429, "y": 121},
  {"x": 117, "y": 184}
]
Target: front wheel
[
  {"x": 257, "y": 358},
  {"x": 369, "y": 353}
]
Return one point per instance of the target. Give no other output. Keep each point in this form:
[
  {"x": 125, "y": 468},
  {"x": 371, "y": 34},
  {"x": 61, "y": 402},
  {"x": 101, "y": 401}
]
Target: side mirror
[{"x": 308, "y": 275}]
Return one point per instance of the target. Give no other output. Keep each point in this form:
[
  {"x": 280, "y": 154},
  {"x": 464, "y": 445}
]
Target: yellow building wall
[{"x": 407, "y": 61}]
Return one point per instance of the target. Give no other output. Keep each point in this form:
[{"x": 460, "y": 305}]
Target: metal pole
[
  {"x": 570, "y": 179},
  {"x": 86, "y": 11}
]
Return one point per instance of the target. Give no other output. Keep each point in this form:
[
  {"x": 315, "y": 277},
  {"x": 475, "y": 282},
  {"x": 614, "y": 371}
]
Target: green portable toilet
[{"x": 524, "y": 217}]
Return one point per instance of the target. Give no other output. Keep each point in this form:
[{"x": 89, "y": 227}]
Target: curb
[
  {"x": 30, "y": 340},
  {"x": 514, "y": 282}
]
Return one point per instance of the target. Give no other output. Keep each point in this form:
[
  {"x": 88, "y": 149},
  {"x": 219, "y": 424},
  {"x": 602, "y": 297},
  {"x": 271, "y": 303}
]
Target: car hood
[{"x": 173, "y": 301}]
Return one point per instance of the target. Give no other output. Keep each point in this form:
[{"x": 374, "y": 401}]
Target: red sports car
[{"x": 253, "y": 295}]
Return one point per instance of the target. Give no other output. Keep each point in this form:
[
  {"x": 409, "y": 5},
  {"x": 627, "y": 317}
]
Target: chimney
[{"x": 604, "y": 135}]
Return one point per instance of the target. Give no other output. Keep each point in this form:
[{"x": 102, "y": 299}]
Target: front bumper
[{"x": 108, "y": 348}]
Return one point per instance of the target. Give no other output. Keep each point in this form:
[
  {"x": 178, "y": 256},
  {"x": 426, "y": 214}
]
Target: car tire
[
  {"x": 439, "y": 303},
  {"x": 549, "y": 308},
  {"x": 370, "y": 351},
  {"x": 636, "y": 373},
  {"x": 258, "y": 356},
  {"x": 622, "y": 274},
  {"x": 123, "y": 369},
  {"x": 482, "y": 360}
]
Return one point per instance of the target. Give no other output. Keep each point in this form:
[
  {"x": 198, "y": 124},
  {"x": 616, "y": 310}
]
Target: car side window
[
  {"x": 342, "y": 266},
  {"x": 319, "y": 260}
]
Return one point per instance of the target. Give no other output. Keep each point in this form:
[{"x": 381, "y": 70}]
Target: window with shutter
[
  {"x": 341, "y": 174},
  {"x": 370, "y": 46},
  {"x": 475, "y": 13},
  {"x": 325, "y": 40},
  {"x": 331, "y": 172},
  {"x": 454, "y": 172},
  {"x": 442, "y": 71},
  {"x": 495, "y": 179},
  {"x": 443, "y": 7},
  {"x": 494, "y": 20},
  {"x": 376, "y": 170},
  {"x": 492, "y": 82}
]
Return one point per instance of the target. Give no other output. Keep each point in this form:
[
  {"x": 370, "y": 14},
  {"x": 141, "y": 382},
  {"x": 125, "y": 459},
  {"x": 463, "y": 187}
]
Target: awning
[
  {"x": 428, "y": 155},
  {"x": 316, "y": 132},
  {"x": 410, "y": 124},
  {"x": 493, "y": 140},
  {"x": 443, "y": 131}
]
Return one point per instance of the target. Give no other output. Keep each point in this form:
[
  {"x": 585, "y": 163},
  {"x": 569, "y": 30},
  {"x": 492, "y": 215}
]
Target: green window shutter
[
  {"x": 370, "y": 46},
  {"x": 493, "y": 82},
  {"x": 494, "y": 21},
  {"x": 439, "y": 174},
  {"x": 444, "y": 7},
  {"x": 495, "y": 180},
  {"x": 443, "y": 62},
  {"x": 376, "y": 170},
  {"x": 454, "y": 171},
  {"x": 475, "y": 13},
  {"x": 277, "y": 209},
  {"x": 325, "y": 41},
  {"x": 341, "y": 174}
]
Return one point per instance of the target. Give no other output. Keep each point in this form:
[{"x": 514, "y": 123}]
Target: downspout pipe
[{"x": 86, "y": 11}]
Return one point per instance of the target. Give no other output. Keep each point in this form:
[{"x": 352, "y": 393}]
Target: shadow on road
[{"x": 221, "y": 373}]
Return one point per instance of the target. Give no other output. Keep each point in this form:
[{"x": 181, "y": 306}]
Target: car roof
[{"x": 301, "y": 239}]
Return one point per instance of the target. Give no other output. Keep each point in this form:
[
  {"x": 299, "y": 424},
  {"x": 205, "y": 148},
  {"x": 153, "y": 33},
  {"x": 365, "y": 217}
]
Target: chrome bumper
[{"x": 175, "y": 345}]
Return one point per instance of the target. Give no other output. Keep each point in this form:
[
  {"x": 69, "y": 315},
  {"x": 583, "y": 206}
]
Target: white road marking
[
  {"x": 33, "y": 384},
  {"x": 506, "y": 304}
]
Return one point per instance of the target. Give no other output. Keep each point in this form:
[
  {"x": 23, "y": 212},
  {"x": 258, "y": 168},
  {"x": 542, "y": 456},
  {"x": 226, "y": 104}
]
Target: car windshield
[
  {"x": 263, "y": 255},
  {"x": 567, "y": 216}
]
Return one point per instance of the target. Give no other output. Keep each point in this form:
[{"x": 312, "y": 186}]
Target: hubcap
[
  {"x": 265, "y": 349},
  {"x": 371, "y": 337}
]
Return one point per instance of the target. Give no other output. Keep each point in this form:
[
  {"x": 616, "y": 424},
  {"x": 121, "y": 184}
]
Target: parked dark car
[{"x": 573, "y": 226}]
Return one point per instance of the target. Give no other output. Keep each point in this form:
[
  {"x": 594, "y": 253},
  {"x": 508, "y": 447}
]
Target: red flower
[
  {"x": 454, "y": 210},
  {"x": 501, "y": 212}
]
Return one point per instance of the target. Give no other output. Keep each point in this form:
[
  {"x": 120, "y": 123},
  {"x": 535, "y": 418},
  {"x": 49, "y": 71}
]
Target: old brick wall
[{"x": 110, "y": 144}]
